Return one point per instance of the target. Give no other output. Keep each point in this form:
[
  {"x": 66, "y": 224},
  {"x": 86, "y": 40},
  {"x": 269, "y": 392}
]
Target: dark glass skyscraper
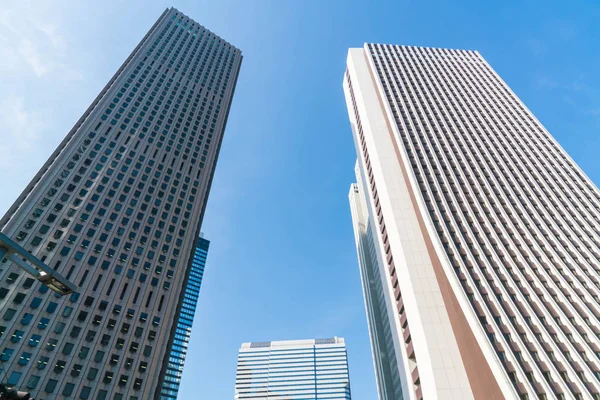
[
  {"x": 117, "y": 209},
  {"x": 172, "y": 379}
]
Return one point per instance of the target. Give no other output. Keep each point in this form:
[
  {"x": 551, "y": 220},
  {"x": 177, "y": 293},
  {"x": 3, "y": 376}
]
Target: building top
[
  {"x": 293, "y": 343},
  {"x": 419, "y": 49},
  {"x": 201, "y": 26}
]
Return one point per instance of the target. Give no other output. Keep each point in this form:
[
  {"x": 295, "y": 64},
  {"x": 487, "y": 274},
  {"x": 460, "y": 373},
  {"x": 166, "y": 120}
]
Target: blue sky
[{"x": 282, "y": 263}]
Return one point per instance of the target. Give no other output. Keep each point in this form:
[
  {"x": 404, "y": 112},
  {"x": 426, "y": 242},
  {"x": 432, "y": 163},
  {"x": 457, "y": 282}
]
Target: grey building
[{"x": 117, "y": 209}]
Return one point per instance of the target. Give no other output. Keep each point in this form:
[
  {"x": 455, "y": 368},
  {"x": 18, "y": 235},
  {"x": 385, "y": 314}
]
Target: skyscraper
[
  {"x": 293, "y": 369},
  {"x": 483, "y": 232},
  {"x": 185, "y": 320},
  {"x": 117, "y": 209}
]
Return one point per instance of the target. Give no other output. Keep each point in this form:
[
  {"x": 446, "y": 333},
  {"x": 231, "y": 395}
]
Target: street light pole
[{"x": 34, "y": 267}]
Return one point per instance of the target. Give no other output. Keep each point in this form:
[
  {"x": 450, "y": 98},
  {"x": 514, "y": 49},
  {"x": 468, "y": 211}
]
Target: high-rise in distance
[
  {"x": 478, "y": 236},
  {"x": 185, "y": 320},
  {"x": 312, "y": 369},
  {"x": 117, "y": 209}
]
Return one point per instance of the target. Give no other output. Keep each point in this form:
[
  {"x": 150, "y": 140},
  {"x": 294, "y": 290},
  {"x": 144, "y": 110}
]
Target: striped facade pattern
[
  {"x": 512, "y": 221},
  {"x": 185, "y": 320},
  {"x": 117, "y": 209},
  {"x": 296, "y": 369}
]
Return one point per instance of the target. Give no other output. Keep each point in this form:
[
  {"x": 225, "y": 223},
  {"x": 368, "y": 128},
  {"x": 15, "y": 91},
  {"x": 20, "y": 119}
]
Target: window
[
  {"x": 68, "y": 389},
  {"x": 128, "y": 363},
  {"x": 42, "y": 362},
  {"x": 75, "y": 331},
  {"x": 85, "y": 392},
  {"x": 6, "y": 354},
  {"x": 9, "y": 314},
  {"x": 60, "y": 327},
  {"x": 51, "y": 385},
  {"x": 51, "y": 307},
  {"x": 76, "y": 370},
  {"x": 19, "y": 298},
  {"x": 26, "y": 320},
  {"x": 83, "y": 352},
  {"x": 35, "y": 302},
  {"x": 92, "y": 373},
  {"x": 16, "y": 336},
  {"x": 82, "y": 316},
  {"x": 67, "y": 348},
  {"x": 138, "y": 331},
  {"x": 51, "y": 345},
  {"x": 89, "y": 301},
  {"x": 34, "y": 340},
  {"x": 59, "y": 366},
  {"x": 108, "y": 375},
  {"x": 143, "y": 367},
  {"x": 43, "y": 324},
  {"x": 25, "y": 358},
  {"x": 33, "y": 382},
  {"x": 14, "y": 378},
  {"x": 90, "y": 336},
  {"x": 99, "y": 356}
]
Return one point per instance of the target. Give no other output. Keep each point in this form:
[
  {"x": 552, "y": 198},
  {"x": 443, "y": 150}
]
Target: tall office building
[
  {"x": 117, "y": 209},
  {"x": 185, "y": 320},
  {"x": 478, "y": 236},
  {"x": 312, "y": 369}
]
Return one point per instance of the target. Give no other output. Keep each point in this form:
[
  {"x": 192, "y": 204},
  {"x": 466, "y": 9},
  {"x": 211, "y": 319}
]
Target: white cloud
[
  {"x": 22, "y": 146},
  {"x": 31, "y": 40},
  {"x": 21, "y": 129},
  {"x": 52, "y": 32},
  {"x": 545, "y": 82},
  {"x": 33, "y": 58},
  {"x": 536, "y": 46}
]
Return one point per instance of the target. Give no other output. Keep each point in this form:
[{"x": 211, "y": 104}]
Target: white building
[
  {"x": 294, "y": 369},
  {"x": 478, "y": 237}
]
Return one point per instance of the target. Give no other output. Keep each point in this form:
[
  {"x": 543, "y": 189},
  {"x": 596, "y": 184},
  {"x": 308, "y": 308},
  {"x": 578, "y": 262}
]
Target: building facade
[
  {"x": 387, "y": 361},
  {"x": 485, "y": 233},
  {"x": 185, "y": 320},
  {"x": 117, "y": 209},
  {"x": 294, "y": 369}
]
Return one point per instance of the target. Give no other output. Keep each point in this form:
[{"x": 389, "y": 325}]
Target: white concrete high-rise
[
  {"x": 478, "y": 236},
  {"x": 117, "y": 209},
  {"x": 315, "y": 369}
]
